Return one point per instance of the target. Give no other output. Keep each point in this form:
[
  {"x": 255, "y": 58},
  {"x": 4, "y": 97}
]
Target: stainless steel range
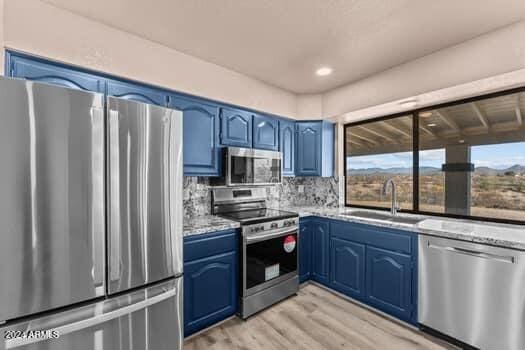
[{"x": 269, "y": 250}]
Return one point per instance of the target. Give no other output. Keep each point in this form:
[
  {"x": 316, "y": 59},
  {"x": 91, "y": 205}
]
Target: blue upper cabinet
[
  {"x": 287, "y": 146},
  {"x": 315, "y": 148},
  {"x": 236, "y": 128},
  {"x": 32, "y": 69},
  {"x": 201, "y": 133},
  {"x": 136, "y": 92},
  {"x": 265, "y": 133}
]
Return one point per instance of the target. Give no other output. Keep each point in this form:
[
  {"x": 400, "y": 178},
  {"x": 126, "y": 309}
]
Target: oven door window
[
  {"x": 270, "y": 259},
  {"x": 254, "y": 170}
]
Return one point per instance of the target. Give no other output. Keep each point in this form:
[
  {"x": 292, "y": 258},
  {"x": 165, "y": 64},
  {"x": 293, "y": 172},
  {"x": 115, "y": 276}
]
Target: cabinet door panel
[
  {"x": 236, "y": 128},
  {"x": 347, "y": 268},
  {"x": 137, "y": 93},
  {"x": 21, "y": 67},
  {"x": 320, "y": 250},
  {"x": 210, "y": 291},
  {"x": 265, "y": 133},
  {"x": 389, "y": 281},
  {"x": 287, "y": 147},
  {"x": 201, "y": 131},
  {"x": 305, "y": 253},
  {"x": 308, "y": 149}
]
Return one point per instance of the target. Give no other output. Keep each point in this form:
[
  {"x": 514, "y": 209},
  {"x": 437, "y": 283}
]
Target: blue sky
[{"x": 499, "y": 156}]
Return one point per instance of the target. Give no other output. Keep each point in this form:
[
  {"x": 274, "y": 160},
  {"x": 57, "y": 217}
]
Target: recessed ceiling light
[
  {"x": 461, "y": 141},
  {"x": 431, "y": 125},
  {"x": 425, "y": 114},
  {"x": 323, "y": 71}
]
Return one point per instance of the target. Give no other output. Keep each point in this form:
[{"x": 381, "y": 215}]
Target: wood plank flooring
[{"x": 314, "y": 319}]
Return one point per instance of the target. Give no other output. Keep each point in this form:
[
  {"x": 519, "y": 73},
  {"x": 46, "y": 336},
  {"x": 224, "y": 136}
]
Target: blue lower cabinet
[
  {"x": 210, "y": 291},
  {"x": 136, "y": 92},
  {"x": 320, "y": 239},
  {"x": 347, "y": 267},
  {"x": 210, "y": 279},
  {"x": 389, "y": 282},
  {"x": 305, "y": 250},
  {"x": 201, "y": 133}
]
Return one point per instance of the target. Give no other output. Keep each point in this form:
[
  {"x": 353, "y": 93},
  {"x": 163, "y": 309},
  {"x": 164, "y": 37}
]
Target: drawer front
[
  {"x": 208, "y": 244},
  {"x": 394, "y": 240}
]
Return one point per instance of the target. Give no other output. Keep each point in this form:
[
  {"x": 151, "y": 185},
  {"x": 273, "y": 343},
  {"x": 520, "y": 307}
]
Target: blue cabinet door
[
  {"x": 210, "y": 291},
  {"x": 308, "y": 149},
  {"x": 320, "y": 250},
  {"x": 305, "y": 252},
  {"x": 136, "y": 92},
  {"x": 389, "y": 282},
  {"x": 347, "y": 267},
  {"x": 236, "y": 128},
  {"x": 201, "y": 132},
  {"x": 33, "y": 69},
  {"x": 265, "y": 133},
  {"x": 287, "y": 146}
]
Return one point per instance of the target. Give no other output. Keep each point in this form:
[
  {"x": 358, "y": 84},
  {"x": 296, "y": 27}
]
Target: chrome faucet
[{"x": 394, "y": 206}]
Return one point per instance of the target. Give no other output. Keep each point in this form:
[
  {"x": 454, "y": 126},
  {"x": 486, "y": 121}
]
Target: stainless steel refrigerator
[{"x": 91, "y": 221}]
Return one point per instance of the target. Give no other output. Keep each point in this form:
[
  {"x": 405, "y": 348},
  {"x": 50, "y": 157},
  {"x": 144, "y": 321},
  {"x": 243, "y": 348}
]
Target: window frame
[{"x": 414, "y": 113}]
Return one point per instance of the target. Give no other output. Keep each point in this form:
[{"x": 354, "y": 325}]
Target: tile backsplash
[{"x": 294, "y": 191}]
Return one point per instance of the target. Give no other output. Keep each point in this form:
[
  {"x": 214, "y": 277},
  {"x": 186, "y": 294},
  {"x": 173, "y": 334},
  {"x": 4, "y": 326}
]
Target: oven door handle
[{"x": 258, "y": 238}]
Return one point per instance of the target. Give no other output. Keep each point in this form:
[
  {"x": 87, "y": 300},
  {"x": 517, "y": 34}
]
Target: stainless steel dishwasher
[{"x": 472, "y": 292}]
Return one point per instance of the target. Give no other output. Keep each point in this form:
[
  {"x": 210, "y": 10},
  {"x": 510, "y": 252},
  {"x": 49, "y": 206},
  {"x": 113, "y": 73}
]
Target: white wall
[
  {"x": 309, "y": 106},
  {"x": 41, "y": 29},
  {"x": 488, "y": 55}
]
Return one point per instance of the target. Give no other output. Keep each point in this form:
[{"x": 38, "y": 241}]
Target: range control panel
[{"x": 269, "y": 226}]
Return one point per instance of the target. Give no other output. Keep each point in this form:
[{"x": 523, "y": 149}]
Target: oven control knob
[
  {"x": 274, "y": 225},
  {"x": 287, "y": 223}
]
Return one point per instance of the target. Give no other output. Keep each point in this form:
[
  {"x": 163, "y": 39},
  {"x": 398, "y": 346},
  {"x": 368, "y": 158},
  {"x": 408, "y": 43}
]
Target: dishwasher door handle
[{"x": 475, "y": 253}]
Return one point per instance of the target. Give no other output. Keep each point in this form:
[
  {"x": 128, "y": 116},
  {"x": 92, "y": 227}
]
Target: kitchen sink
[{"x": 386, "y": 217}]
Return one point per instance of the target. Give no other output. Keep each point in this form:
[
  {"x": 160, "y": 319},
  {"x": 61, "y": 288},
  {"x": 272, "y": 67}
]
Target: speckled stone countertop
[
  {"x": 501, "y": 235},
  {"x": 206, "y": 224}
]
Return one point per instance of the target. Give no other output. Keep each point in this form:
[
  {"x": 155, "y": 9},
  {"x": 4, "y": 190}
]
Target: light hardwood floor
[{"x": 314, "y": 319}]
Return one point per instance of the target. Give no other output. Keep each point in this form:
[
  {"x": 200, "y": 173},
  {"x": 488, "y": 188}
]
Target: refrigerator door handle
[
  {"x": 93, "y": 321},
  {"x": 98, "y": 208},
  {"x": 114, "y": 185},
  {"x": 175, "y": 187}
]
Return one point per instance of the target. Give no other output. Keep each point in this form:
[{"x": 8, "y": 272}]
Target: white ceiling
[{"x": 282, "y": 42}]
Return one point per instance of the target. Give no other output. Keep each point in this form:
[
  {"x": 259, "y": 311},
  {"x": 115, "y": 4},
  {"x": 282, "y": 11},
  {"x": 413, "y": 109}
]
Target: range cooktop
[{"x": 254, "y": 216}]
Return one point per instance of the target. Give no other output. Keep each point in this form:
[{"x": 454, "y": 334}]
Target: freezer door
[
  {"x": 51, "y": 197},
  {"x": 147, "y": 319},
  {"x": 145, "y": 193}
]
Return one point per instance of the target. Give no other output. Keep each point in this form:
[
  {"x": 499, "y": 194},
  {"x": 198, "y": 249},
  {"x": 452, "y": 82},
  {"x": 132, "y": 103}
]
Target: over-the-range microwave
[{"x": 249, "y": 167}]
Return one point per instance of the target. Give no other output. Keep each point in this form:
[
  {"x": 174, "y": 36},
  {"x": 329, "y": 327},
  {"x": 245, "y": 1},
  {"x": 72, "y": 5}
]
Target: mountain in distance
[{"x": 518, "y": 169}]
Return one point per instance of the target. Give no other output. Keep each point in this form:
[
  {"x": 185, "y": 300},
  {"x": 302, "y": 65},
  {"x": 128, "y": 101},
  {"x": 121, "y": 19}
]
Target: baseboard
[{"x": 210, "y": 326}]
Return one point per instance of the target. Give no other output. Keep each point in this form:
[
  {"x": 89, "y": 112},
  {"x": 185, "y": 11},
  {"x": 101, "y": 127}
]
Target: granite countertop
[
  {"x": 501, "y": 235},
  {"x": 206, "y": 224}
]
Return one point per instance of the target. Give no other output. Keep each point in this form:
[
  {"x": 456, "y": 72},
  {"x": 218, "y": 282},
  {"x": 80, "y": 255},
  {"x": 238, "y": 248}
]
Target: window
[
  {"x": 376, "y": 152},
  {"x": 469, "y": 157},
  {"x": 472, "y": 159}
]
